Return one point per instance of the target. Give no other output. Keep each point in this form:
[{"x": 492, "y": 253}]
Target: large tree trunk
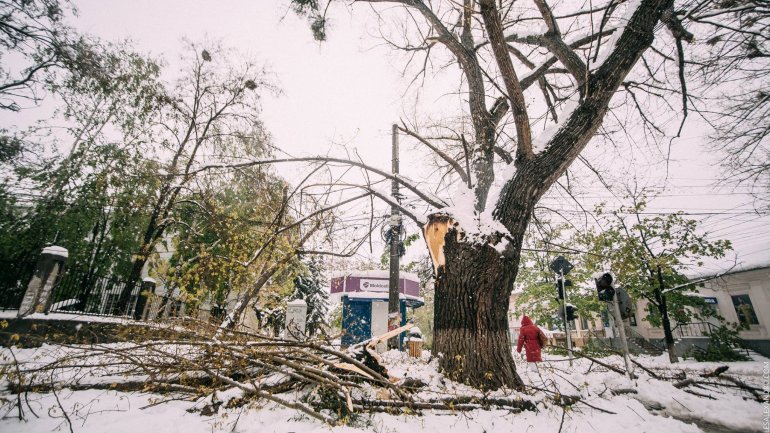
[
  {"x": 471, "y": 333},
  {"x": 121, "y": 307},
  {"x": 667, "y": 333},
  {"x": 660, "y": 297},
  {"x": 152, "y": 233}
]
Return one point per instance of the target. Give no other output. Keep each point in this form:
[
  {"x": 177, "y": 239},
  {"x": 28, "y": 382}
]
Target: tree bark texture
[
  {"x": 660, "y": 297},
  {"x": 471, "y": 333}
]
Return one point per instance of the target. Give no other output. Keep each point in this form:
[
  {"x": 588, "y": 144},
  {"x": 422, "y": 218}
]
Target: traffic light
[
  {"x": 571, "y": 310},
  {"x": 604, "y": 287},
  {"x": 560, "y": 285}
]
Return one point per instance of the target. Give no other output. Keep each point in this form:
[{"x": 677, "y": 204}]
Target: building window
[{"x": 745, "y": 310}]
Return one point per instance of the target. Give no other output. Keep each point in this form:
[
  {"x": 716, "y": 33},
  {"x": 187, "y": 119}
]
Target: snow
[
  {"x": 538, "y": 30},
  {"x": 607, "y": 49},
  {"x": 63, "y": 304},
  {"x": 56, "y": 251},
  {"x": 475, "y": 227},
  {"x": 657, "y": 406},
  {"x": 540, "y": 143},
  {"x": 72, "y": 317}
]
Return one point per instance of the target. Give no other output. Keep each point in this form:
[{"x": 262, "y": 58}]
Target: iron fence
[
  {"x": 707, "y": 329},
  {"x": 163, "y": 307},
  {"x": 14, "y": 278},
  {"x": 83, "y": 292},
  {"x": 695, "y": 329}
]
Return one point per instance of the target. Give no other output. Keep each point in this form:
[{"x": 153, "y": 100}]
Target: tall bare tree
[{"x": 583, "y": 62}]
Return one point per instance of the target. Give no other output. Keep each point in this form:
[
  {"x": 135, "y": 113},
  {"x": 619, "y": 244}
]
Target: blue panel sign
[{"x": 710, "y": 300}]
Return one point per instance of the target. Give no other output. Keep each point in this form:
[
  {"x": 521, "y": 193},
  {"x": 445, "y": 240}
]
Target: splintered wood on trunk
[{"x": 471, "y": 334}]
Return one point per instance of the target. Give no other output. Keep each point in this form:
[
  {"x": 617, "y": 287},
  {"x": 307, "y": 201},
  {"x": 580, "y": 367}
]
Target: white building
[
  {"x": 744, "y": 297},
  {"x": 741, "y": 296}
]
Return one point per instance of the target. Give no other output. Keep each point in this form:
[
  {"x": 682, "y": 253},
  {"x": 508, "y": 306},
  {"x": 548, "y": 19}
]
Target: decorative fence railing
[
  {"x": 83, "y": 292},
  {"x": 14, "y": 277},
  {"x": 163, "y": 307},
  {"x": 706, "y": 329},
  {"x": 58, "y": 288},
  {"x": 696, "y": 329}
]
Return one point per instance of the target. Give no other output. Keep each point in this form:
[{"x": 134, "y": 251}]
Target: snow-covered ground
[{"x": 656, "y": 406}]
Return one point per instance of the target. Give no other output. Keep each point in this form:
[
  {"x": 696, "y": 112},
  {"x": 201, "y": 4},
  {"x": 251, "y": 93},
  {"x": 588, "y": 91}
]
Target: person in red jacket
[{"x": 532, "y": 338}]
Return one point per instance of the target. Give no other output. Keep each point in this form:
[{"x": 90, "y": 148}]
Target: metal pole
[
  {"x": 566, "y": 322},
  {"x": 394, "y": 316},
  {"x": 622, "y": 331}
]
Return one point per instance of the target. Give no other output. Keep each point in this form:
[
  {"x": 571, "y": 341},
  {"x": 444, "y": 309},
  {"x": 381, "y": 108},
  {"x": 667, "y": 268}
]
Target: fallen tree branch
[
  {"x": 452, "y": 404},
  {"x": 603, "y": 364}
]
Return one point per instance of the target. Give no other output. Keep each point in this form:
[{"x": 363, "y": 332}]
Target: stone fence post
[
  {"x": 48, "y": 271},
  {"x": 147, "y": 291},
  {"x": 296, "y": 319}
]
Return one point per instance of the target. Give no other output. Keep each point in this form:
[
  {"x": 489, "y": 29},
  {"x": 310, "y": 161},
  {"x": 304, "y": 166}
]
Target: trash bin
[{"x": 414, "y": 343}]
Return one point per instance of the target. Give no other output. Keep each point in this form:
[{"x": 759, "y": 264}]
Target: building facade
[{"x": 740, "y": 297}]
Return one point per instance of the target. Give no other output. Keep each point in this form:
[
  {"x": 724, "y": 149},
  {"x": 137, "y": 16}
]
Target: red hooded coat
[{"x": 528, "y": 337}]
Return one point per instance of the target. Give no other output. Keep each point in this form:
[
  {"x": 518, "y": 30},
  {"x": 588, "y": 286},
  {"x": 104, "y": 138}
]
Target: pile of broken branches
[
  {"x": 215, "y": 368},
  {"x": 333, "y": 384}
]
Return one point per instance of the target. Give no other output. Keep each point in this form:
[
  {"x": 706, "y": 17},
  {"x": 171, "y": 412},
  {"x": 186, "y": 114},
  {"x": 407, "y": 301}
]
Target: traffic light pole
[
  {"x": 622, "y": 331},
  {"x": 566, "y": 321}
]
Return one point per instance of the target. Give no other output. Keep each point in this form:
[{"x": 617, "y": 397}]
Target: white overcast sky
[
  {"x": 349, "y": 91},
  {"x": 339, "y": 91}
]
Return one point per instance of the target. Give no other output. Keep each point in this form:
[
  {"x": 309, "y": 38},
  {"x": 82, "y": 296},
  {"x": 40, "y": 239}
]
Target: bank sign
[{"x": 374, "y": 285}]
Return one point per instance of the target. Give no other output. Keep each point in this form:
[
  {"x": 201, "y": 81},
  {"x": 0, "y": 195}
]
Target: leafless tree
[
  {"x": 590, "y": 65},
  {"x": 734, "y": 68}
]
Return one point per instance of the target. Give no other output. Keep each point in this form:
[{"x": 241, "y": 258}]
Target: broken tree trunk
[{"x": 471, "y": 333}]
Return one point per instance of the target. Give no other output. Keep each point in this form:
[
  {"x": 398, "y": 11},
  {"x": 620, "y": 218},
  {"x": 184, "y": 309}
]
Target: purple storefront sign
[{"x": 352, "y": 283}]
